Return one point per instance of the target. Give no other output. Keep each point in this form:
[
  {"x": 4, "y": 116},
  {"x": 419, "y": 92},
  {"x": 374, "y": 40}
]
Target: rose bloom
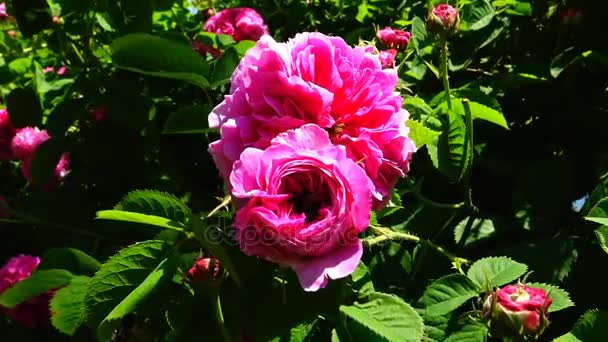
[
  {"x": 445, "y": 17},
  {"x": 36, "y": 310},
  {"x": 24, "y": 145},
  {"x": 3, "y": 14},
  {"x": 317, "y": 79},
  {"x": 241, "y": 23},
  {"x": 516, "y": 309},
  {"x": 387, "y": 58},
  {"x": 7, "y": 132},
  {"x": 301, "y": 203},
  {"x": 394, "y": 38}
]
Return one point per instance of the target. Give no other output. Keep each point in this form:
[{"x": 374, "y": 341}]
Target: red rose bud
[
  {"x": 443, "y": 19},
  {"x": 394, "y": 38},
  {"x": 387, "y": 58},
  {"x": 516, "y": 310},
  {"x": 204, "y": 270}
]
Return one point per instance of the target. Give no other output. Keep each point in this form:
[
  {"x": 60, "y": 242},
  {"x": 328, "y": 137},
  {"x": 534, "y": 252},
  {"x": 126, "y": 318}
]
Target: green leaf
[
  {"x": 160, "y": 57},
  {"x": 448, "y": 152},
  {"x": 478, "y": 111},
  {"x": 495, "y": 270},
  {"x": 20, "y": 66},
  {"x": 36, "y": 284},
  {"x": 104, "y": 20},
  {"x": 300, "y": 333},
  {"x": 477, "y": 15},
  {"x": 419, "y": 35},
  {"x": 152, "y": 202},
  {"x": 600, "y": 220},
  {"x": 24, "y": 108},
  {"x": 362, "y": 281},
  {"x": 120, "y": 275},
  {"x": 392, "y": 206},
  {"x": 188, "y": 120},
  {"x": 153, "y": 282},
  {"x": 384, "y": 317},
  {"x": 566, "y": 59},
  {"x": 127, "y": 216},
  {"x": 480, "y": 230},
  {"x": 67, "y": 306},
  {"x": 602, "y": 237},
  {"x": 560, "y": 298},
  {"x": 211, "y": 240},
  {"x": 44, "y": 86},
  {"x": 224, "y": 67},
  {"x": 45, "y": 160},
  {"x": 416, "y": 105},
  {"x": 473, "y": 331},
  {"x": 420, "y": 134},
  {"x": 591, "y": 326},
  {"x": 71, "y": 259},
  {"x": 446, "y": 294},
  {"x": 243, "y": 46}
]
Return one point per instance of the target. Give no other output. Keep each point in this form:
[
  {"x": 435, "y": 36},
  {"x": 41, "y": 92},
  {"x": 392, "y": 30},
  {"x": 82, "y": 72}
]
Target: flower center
[
  {"x": 520, "y": 295},
  {"x": 309, "y": 194}
]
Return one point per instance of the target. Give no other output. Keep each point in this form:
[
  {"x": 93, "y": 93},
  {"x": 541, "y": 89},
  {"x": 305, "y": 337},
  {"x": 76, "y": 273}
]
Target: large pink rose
[
  {"x": 36, "y": 310},
  {"x": 317, "y": 79},
  {"x": 240, "y": 23},
  {"x": 301, "y": 203}
]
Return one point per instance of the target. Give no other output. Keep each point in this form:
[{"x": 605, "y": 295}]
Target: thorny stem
[
  {"x": 386, "y": 234},
  {"x": 443, "y": 45}
]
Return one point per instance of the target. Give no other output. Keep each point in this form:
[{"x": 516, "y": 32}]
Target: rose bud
[
  {"x": 394, "y": 38},
  {"x": 35, "y": 311},
  {"x": 204, "y": 270},
  {"x": 516, "y": 310},
  {"x": 387, "y": 58},
  {"x": 241, "y": 23},
  {"x": 443, "y": 19},
  {"x": 7, "y": 132}
]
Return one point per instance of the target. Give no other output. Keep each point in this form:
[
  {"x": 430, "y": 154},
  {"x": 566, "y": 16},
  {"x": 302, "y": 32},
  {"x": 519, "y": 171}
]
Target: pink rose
[
  {"x": 240, "y": 23},
  {"x": 35, "y": 311},
  {"x": 3, "y": 14},
  {"x": 516, "y": 309},
  {"x": 7, "y": 132},
  {"x": 394, "y": 38},
  {"x": 317, "y": 79},
  {"x": 61, "y": 71},
  {"x": 301, "y": 203},
  {"x": 387, "y": 58},
  {"x": 24, "y": 145},
  {"x": 443, "y": 19}
]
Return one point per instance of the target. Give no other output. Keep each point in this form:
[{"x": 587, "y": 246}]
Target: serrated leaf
[
  {"x": 448, "y": 152},
  {"x": 155, "y": 280},
  {"x": 362, "y": 281},
  {"x": 384, "y": 317},
  {"x": 151, "y": 202},
  {"x": 224, "y": 67},
  {"x": 446, "y": 294},
  {"x": 560, "y": 298},
  {"x": 151, "y": 220},
  {"x": 419, "y": 35},
  {"x": 566, "y": 59},
  {"x": 496, "y": 270},
  {"x": 392, "y": 206},
  {"x": 480, "y": 229},
  {"x": 67, "y": 306},
  {"x": 120, "y": 275},
  {"x": 416, "y": 105},
  {"x": 478, "y": 111},
  {"x": 473, "y": 331},
  {"x": 188, "y": 120},
  {"x": 602, "y": 237},
  {"x": 477, "y": 15},
  {"x": 161, "y": 57},
  {"x": 36, "y": 284},
  {"x": 591, "y": 326},
  {"x": 420, "y": 134}
]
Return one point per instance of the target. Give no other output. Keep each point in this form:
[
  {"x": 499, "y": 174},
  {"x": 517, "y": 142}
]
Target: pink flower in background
[
  {"x": 61, "y": 71},
  {"x": 35, "y": 311},
  {"x": 7, "y": 132},
  {"x": 48, "y": 69},
  {"x": 517, "y": 309},
  {"x": 240, "y": 23},
  {"x": 301, "y": 203},
  {"x": 27, "y": 140},
  {"x": 3, "y": 14},
  {"x": 99, "y": 113},
  {"x": 317, "y": 79},
  {"x": 387, "y": 58},
  {"x": 394, "y": 38},
  {"x": 25, "y": 143}
]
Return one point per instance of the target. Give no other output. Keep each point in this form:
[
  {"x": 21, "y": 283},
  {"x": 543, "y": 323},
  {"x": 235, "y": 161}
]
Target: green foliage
[
  {"x": 71, "y": 259},
  {"x": 67, "y": 306},
  {"x": 472, "y": 331},
  {"x": 477, "y": 15},
  {"x": 383, "y": 317},
  {"x": 591, "y": 326},
  {"x": 448, "y": 293},
  {"x": 38, "y": 283},
  {"x": 495, "y": 271},
  {"x": 561, "y": 299},
  {"x": 151, "y": 202},
  {"x": 188, "y": 120},
  {"x": 151, "y": 220},
  {"x": 120, "y": 275},
  {"x": 420, "y": 134}
]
